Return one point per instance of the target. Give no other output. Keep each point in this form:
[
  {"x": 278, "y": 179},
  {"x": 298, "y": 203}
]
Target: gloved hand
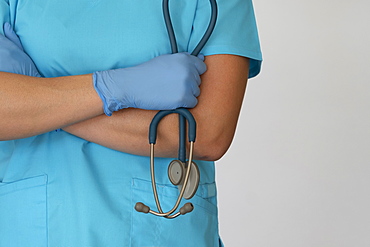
[
  {"x": 13, "y": 59},
  {"x": 163, "y": 83}
]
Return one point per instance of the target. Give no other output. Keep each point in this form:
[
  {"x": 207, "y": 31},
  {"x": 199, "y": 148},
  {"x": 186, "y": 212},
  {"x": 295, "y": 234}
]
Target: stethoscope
[{"x": 184, "y": 174}]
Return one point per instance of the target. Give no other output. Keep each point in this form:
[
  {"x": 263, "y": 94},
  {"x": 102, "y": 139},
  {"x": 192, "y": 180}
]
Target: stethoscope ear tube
[
  {"x": 140, "y": 207},
  {"x": 206, "y": 36},
  {"x": 211, "y": 26},
  {"x": 183, "y": 113},
  {"x": 161, "y": 114}
]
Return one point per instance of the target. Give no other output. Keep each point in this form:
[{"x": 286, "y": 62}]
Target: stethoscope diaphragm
[{"x": 176, "y": 174}]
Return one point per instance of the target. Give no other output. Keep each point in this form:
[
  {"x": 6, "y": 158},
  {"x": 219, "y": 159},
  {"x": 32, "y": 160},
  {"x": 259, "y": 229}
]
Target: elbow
[
  {"x": 210, "y": 154},
  {"x": 211, "y": 148}
]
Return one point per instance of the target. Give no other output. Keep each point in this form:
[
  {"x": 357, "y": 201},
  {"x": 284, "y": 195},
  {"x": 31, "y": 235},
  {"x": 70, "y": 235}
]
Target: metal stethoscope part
[
  {"x": 188, "y": 183},
  {"x": 188, "y": 207}
]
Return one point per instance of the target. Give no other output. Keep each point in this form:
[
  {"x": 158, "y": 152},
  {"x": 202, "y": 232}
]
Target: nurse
[{"x": 98, "y": 73}]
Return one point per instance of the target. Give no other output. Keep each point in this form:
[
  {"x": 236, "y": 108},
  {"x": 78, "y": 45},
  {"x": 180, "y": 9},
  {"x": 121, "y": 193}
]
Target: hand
[
  {"x": 163, "y": 83},
  {"x": 13, "y": 59}
]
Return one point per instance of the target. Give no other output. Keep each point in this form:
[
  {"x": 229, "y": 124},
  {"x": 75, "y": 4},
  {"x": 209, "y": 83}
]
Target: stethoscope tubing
[
  {"x": 206, "y": 36},
  {"x": 182, "y": 191},
  {"x": 152, "y": 140},
  {"x": 183, "y": 114},
  {"x": 195, "y": 52},
  {"x": 161, "y": 114}
]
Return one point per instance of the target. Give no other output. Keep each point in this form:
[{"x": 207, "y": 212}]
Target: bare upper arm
[{"x": 222, "y": 91}]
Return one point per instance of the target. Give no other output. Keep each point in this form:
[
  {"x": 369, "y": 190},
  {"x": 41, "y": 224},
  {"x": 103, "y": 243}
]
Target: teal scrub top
[{"x": 59, "y": 190}]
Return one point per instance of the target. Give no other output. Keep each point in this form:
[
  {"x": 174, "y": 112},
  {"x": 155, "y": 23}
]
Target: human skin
[{"x": 30, "y": 106}]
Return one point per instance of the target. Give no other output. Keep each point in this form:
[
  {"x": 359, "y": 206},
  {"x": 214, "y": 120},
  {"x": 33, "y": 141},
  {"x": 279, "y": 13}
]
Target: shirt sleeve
[
  {"x": 4, "y": 13},
  {"x": 235, "y": 31}
]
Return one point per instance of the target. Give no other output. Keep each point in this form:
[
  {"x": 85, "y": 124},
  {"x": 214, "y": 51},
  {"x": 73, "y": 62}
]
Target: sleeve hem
[{"x": 256, "y": 57}]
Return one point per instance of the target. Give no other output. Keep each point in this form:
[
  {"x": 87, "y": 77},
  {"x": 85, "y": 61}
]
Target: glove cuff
[{"x": 97, "y": 86}]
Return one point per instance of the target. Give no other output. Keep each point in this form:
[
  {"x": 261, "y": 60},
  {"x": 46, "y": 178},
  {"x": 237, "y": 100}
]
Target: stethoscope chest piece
[
  {"x": 183, "y": 173},
  {"x": 176, "y": 174}
]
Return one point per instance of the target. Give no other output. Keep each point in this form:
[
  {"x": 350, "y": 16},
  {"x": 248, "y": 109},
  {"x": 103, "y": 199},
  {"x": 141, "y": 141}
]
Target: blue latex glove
[
  {"x": 163, "y": 83},
  {"x": 13, "y": 59}
]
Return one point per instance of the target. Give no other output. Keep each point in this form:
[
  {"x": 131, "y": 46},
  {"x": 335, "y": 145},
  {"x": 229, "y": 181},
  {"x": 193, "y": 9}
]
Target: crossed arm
[
  {"x": 30, "y": 106},
  {"x": 222, "y": 91}
]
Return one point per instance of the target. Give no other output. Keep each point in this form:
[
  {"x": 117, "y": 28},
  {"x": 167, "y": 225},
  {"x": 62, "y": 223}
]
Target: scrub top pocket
[
  {"x": 23, "y": 220},
  {"x": 198, "y": 228}
]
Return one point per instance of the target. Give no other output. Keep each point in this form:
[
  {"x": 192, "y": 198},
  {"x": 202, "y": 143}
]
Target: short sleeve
[
  {"x": 4, "y": 13},
  {"x": 235, "y": 31}
]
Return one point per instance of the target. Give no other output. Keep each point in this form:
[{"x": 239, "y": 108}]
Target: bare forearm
[
  {"x": 126, "y": 131},
  {"x": 216, "y": 114},
  {"x": 32, "y": 105}
]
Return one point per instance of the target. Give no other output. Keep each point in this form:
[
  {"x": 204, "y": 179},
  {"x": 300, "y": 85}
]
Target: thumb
[
  {"x": 201, "y": 56},
  {"x": 12, "y": 36}
]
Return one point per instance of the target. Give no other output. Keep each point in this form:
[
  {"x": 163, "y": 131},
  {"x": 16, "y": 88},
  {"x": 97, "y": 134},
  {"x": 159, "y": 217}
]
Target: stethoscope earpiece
[
  {"x": 187, "y": 208},
  {"x": 185, "y": 175},
  {"x": 142, "y": 208},
  {"x": 177, "y": 176}
]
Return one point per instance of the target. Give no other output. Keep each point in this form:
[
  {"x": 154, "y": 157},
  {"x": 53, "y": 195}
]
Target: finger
[
  {"x": 194, "y": 84},
  {"x": 11, "y": 35},
  {"x": 191, "y": 103},
  {"x": 197, "y": 80},
  {"x": 201, "y": 57},
  {"x": 196, "y": 91},
  {"x": 199, "y": 65}
]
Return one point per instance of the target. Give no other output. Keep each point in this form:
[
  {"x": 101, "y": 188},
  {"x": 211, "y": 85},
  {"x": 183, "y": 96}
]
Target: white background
[{"x": 298, "y": 173}]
